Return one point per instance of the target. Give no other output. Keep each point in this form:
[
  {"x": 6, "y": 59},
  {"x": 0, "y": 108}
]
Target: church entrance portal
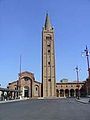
[{"x": 26, "y": 91}]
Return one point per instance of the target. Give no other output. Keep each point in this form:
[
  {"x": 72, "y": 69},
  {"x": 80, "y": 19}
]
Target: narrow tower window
[
  {"x": 48, "y": 63},
  {"x": 48, "y": 45},
  {"x": 49, "y": 80},
  {"x": 48, "y": 51}
]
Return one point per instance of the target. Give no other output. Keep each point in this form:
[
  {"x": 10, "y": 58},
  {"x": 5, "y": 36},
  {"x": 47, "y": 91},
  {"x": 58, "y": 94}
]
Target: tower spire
[{"x": 47, "y": 23}]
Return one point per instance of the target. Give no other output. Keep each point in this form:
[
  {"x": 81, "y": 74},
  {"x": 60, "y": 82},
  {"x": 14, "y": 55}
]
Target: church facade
[{"x": 31, "y": 88}]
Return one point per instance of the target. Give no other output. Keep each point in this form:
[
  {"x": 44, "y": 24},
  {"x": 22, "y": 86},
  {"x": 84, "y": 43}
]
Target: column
[
  {"x": 69, "y": 94},
  {"x": 59, "y": 93},
  {"x": 74, "y": 93},
  {"x": 64, "y": 94}
]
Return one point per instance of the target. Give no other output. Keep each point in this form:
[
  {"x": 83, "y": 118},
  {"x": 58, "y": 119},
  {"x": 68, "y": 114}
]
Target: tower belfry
[{"x": 48, "y": 60}]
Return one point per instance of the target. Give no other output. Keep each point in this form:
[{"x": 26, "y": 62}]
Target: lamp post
[
  {"x": 86, "y": 51},
  {"x": 77, "y": 75},
  {"x": 20, "y": 76},
  {"x": 19, "y": 81}
]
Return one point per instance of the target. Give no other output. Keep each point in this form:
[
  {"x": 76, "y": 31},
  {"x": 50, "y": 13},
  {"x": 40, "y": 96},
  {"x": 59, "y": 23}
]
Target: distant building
[
  {"x": 69, "y": 89},
  {"x": 27, "y": 85},
  {"x": 64, "y": 80}
]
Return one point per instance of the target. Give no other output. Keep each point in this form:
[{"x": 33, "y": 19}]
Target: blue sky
[{"x": 21, "y": 23}]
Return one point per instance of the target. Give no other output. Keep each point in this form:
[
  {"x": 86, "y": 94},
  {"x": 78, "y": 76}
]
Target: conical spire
[{"x": 47, "y": 23}]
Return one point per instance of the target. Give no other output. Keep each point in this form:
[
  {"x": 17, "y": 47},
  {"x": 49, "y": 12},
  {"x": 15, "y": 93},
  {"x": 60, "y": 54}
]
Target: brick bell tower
[{"x": 48, "y": 60}]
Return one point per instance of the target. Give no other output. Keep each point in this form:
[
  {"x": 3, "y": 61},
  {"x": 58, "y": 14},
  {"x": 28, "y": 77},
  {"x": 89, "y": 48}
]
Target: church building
[{"x": 28, "y": 87}]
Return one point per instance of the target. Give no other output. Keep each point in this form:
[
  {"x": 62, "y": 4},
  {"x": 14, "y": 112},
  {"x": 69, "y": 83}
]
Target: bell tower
[{"x": 48, "y": 60}]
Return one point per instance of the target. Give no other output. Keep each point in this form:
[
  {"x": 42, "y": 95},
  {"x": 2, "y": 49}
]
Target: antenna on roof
[
  {"x": 20, "y": 64},
  {"x": 19, "y": 76}
]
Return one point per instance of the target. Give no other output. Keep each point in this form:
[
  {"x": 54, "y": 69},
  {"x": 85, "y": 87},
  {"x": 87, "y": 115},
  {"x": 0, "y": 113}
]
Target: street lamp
[
  {"x": 19, "y": 80},
  {"x": 86, "y": 51},
  {"x": 77, "y": 75}
]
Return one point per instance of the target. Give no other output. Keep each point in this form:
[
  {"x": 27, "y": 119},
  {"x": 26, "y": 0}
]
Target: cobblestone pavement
[
  {"x": 49, "y": 109},
  {"x": 84, "y": 100},
  {"x": 9, "y": 101}
]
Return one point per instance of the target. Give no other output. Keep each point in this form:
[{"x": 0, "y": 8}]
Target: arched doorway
[
  {"x": 28, "y": 86},
  {"x": 72, "y": 93},
  {"x": 26, "y": 91},
  {"x": 57, "y": 92},
  {"x": 61, "y": 93},
  {"x": 77, "y": 92},
  {"x": 82, "y": 92},
  {"x": 66, "y": 93}
]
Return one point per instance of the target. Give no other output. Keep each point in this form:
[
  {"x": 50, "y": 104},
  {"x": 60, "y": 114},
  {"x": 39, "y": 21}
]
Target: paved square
[{"x": 56, "y": 109}]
